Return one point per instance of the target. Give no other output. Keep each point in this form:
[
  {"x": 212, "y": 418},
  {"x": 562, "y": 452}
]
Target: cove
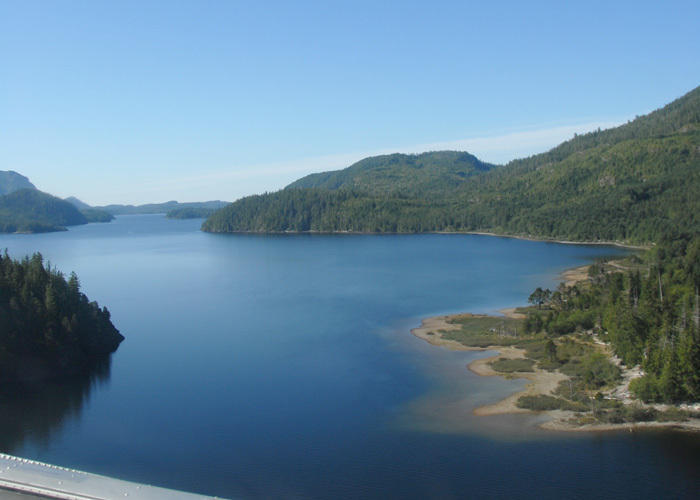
[{"x": 282, "y": 366}]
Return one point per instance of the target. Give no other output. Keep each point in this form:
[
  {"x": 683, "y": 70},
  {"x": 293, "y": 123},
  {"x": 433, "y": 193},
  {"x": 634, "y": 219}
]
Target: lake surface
[{"x": 282, "y": 366}]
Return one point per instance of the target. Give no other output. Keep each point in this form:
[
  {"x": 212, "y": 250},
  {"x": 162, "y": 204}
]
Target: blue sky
[{"x": 134, "y": 102}]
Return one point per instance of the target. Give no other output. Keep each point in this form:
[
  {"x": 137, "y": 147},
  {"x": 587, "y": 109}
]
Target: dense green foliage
[
  {"x": 11, "y": 181},
  {"x": 190, "y": 213},
  {"x": 48, "y": 327},
  {"x": 628, "y": 191},
  {"x": 422, "y": 175},
  {"x": 649, "y": 313},
  {"x": 628, "y": 183},
  {"x": 326, "y": 211},
  {"x": 30, "y": 210}
]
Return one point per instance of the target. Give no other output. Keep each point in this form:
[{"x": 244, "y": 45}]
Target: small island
[
  {"x": 615, "y": 346},
  {"x": 48, "y": 327}
]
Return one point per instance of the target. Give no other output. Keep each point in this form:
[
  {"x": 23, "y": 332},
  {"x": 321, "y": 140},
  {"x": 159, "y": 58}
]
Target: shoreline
[
  {"x": 554, "y": 240},
  {"x": 618, "y": 244},
  {"x": 541, "y": 382}
]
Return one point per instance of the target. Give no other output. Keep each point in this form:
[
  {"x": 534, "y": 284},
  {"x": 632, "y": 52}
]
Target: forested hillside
[
  {"x": 630, "y": 183},
  {"x": 410, "y": 175},
  {"x": 630, "y": 191},
  {"x": 48, "y": 327},
  {"x": 190, "y": 213},
  {"x": 30, "y": 210},
  {"x": 647, "y": 308}
]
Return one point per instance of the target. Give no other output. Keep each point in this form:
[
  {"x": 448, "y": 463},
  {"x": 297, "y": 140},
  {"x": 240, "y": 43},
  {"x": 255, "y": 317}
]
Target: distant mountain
[
  {"x": 631, "y": 183},
  {"x": 80, "y": 205},
  {"x": 41, "y": 212},
  {"x": 96, "y": 215},
  {"x": 419, "y": 175},
  {"x": 11, "y": 181},
  {"x": 190, "y": 213},
  {"x": 91, "y": 214},
  {"x": 30, "y": 210},
  {"x": 387, "y": 193},
  {"x": 160, "y": 208}
]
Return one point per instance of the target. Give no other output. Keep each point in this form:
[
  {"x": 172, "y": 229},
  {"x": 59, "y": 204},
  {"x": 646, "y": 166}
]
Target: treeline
[
  {"x": 649, "y": 313},
  {"x": 680, "y": 116},
  {"x": 48, "y": 327},
  {"x": 628, "y": 184},
  {"x": 629, "y": 192},
  {"x": 322, "y": 210}
]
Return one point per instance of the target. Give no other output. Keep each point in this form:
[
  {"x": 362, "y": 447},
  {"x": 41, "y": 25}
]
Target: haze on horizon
[{"x": 139, "y": 103}]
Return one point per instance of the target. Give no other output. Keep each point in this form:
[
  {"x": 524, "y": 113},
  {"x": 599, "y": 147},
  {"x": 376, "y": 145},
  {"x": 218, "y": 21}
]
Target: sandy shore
[
  {"x": 547, "y": 240},
  {"x": 512, "y": 312},
  {"x": 572, "y": 276},
  {"x": 430, "y": 329},
  {"x": 541, "y": 381}
]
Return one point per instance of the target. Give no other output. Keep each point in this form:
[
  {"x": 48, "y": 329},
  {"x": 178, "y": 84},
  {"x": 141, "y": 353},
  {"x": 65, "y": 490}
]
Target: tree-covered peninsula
[
  {"x": 25, "y": 209},
  {"x": 32, "y": 211},
  {"x": 617, "y": 345},
  {"x": 48, "y": 327},
  {"x": 627, "y": 183}
]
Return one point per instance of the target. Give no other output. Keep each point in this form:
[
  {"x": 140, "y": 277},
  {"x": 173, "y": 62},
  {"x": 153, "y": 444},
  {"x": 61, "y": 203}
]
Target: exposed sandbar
[{"x": 542, "y": 382}]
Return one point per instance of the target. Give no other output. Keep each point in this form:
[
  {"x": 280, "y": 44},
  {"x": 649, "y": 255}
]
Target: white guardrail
[{"x": 45, "y": 480}]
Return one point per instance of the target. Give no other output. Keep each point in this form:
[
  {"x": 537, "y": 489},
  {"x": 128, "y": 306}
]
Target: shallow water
[{"x": 283, "y": 366}]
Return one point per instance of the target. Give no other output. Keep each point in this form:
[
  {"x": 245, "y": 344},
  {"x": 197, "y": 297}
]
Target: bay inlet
[{"x": 283, "y": 366}]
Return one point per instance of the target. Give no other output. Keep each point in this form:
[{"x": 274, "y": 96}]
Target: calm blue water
[{"x": 283, "y": 366}]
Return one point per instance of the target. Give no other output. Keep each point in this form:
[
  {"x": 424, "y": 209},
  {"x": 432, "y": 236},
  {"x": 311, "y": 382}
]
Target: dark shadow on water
[{"x": 36, "y": 412}]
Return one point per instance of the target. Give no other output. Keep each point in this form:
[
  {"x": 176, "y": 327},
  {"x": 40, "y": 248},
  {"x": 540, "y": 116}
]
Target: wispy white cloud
[
  {"x": 506, "y": 147},
  {"x": 242, "y": 180}
]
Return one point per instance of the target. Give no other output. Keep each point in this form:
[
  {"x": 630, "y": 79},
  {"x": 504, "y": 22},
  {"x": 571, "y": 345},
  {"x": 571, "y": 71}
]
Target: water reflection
[{"x": 34, "y": 413}]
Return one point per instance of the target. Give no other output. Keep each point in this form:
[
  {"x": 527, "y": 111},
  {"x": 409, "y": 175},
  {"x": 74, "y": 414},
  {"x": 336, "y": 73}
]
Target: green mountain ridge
[
  {"x": 31, "y": 211},
  {"x": 160, "y": 208},
  {"x": 35, "y": 211},
  {"x": 419, "y": 174},
  {"x": 630, "y": 183}
]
